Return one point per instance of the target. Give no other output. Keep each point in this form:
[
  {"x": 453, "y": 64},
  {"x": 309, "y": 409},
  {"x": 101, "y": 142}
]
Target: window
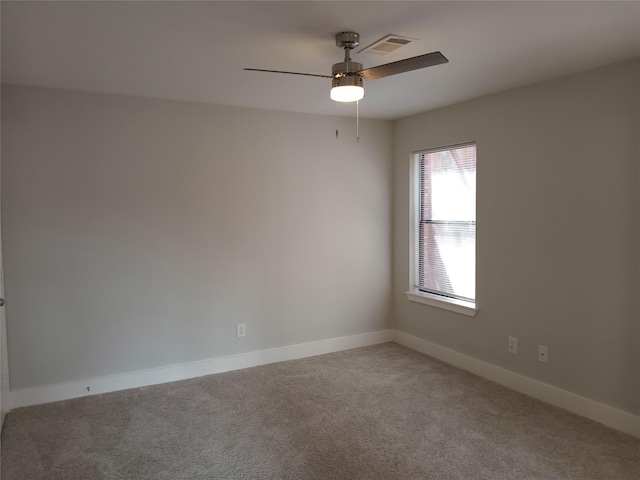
[{"x": 444, "y": 230}]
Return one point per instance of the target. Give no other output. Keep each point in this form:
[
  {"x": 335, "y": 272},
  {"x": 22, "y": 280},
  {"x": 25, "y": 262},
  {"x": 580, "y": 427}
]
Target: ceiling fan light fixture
[
  {"x": 347, "y": 89},
  {"x": 347, "y": 93}
]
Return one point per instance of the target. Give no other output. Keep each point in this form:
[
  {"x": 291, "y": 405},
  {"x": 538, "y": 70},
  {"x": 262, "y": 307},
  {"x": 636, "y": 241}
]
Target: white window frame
[{"x": 413, "y": 294}]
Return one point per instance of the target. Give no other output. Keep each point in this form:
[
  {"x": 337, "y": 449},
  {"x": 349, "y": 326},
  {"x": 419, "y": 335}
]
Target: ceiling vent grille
[{"x": 387, "y": 44}]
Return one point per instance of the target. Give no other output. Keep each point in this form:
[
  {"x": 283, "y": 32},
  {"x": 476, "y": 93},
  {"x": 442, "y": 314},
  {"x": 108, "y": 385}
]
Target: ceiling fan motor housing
[
  {"x": 346, "y": 68},
  {"x": 346, "y": 74},
  {"x": 347, "y": 79}
]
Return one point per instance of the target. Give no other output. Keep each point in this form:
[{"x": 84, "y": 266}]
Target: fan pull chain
[
  {"x": 336, "y": 119},
  {"x": 358, "y": 121}
]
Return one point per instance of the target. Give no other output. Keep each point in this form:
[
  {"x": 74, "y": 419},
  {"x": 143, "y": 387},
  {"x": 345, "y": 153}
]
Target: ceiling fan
[{"x": 347, "y": 76}]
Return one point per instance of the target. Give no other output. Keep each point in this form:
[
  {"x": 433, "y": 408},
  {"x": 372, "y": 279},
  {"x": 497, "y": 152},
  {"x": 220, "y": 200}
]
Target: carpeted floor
[{"x": 381, "y": 412}]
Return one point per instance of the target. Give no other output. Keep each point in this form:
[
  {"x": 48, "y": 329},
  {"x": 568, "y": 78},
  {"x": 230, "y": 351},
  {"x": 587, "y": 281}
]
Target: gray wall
[
  {"x": 138, "y": 232},
  {"x": 558, "y": 231}
]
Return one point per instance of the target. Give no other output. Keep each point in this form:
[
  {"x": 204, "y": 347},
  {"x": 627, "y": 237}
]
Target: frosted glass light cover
[{"x": 347, "y": 93}]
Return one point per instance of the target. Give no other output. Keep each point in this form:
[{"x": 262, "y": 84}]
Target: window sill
[{"x": 458, "y": 306}]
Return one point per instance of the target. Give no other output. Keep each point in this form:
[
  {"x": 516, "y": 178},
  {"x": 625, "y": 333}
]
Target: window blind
[{"x": 446, "y": 230}]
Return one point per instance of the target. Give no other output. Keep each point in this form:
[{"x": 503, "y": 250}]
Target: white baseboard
[
  {"x": 64, "y": 391},
  {"x": 609, "y": 416}
]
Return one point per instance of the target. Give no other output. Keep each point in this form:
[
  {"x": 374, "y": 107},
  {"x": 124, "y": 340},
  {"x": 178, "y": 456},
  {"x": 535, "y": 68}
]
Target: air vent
[{"x": 387, "y": 44}]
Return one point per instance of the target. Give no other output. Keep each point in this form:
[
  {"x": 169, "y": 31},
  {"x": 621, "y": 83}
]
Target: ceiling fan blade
[
  {"x": 401, "y": 66},
  {"x": 290, "y": 73}
]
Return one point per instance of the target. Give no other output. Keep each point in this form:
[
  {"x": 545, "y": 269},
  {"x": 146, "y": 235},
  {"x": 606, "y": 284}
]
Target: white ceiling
[{"x": 196, "y": 51}]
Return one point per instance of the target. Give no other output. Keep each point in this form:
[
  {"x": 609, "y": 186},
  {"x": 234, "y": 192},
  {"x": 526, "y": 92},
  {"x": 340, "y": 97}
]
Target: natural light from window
[{"x": 447, "y": 222}]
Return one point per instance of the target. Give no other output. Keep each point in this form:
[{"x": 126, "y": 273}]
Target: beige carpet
[{"x": 381, "y": 412}]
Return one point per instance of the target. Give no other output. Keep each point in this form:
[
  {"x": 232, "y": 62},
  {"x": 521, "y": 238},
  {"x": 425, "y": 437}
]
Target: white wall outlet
[
  {"x": 543, "y": 354},
  {"x": 512, "y": 347},
  {"x": 241, "y": 330}
]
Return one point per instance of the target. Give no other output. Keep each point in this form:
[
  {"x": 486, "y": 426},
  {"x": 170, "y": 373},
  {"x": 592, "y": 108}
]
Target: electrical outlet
[
  {"x": 543, "y": 354},
  {"x": 241, "y": 330},
  {"x": 512, "y": 347}
]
